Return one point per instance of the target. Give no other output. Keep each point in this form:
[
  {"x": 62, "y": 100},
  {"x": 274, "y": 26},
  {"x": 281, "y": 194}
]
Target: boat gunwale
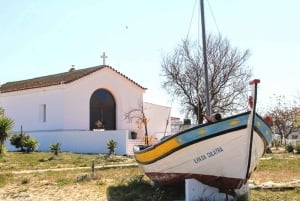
[
  {"x": 221, "y": 132},
  {"x": 217, "y": 134}
]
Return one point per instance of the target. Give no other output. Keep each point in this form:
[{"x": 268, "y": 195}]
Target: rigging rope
[
  {"x": 213, "y": 16},
  {"x": 191, "y": 20}
]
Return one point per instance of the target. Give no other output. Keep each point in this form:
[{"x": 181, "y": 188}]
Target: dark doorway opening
[{"x": 102, "y": 110}]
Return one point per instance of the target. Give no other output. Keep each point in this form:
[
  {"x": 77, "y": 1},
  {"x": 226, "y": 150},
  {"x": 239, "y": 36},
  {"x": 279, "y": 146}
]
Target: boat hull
[{"x": 214, "y": 154}]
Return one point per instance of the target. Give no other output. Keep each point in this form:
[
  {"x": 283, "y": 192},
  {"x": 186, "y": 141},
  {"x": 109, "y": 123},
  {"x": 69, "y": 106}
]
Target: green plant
[
  {"x": 55, "y": 148},
  {"x": 297, "y": 149},
  {"x": 31, "y": 145},
  {"x": 17, "y": 140},
  {"x": 25, "y": 181},
  {"x": 111, "y": 146},
  {"x": 6, "y": 125},
  {"x": 2, "y": 149},
  {"x": 63, "y": 181},
  {"x": 289, "y": 148}
]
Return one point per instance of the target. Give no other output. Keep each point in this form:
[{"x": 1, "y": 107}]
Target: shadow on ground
[{"x": 138, "y": 189}]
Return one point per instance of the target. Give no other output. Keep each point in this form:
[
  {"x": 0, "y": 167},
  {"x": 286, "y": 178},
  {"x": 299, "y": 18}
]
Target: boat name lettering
[
  {"x": 199, "y": 158},
  {"x": 208, "y": 155},
  {"x": 214, "y": 152}
]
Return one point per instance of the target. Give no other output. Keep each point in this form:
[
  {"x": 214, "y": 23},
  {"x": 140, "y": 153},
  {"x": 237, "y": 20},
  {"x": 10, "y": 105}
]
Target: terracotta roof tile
[{"x": 56, "y": 79}]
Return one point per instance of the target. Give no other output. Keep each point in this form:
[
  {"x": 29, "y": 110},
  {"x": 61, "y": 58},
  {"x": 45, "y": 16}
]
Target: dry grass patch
[
  {"x": 277, "y": 168},
  {"x": 118, "y": 183}
]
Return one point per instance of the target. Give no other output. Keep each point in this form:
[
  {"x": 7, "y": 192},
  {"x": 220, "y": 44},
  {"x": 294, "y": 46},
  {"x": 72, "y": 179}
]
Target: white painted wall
[
  {"x": 80, "y": 141},
  {"x": 23, "y": 107},
  {"x": 157, "y": 125},
  {"x": 68, "y": 108},
  {"x": 68, "y": 104},
  {"x": 77, "y": 97}
]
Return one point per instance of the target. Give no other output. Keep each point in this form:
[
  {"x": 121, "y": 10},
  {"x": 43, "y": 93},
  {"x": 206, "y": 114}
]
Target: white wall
[
  {"x": 68, "y": 108},
  {"x": 158, "y": 116},
  {"x": 23, "y": 107},
  {"x": 80, "y": 141},
  {"x": 77, "y": 98},
  {"x": 68, "y": 105}
]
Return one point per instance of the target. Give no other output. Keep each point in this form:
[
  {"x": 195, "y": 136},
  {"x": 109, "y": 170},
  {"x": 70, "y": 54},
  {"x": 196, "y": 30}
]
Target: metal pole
[{"x": 205, "y": 59}]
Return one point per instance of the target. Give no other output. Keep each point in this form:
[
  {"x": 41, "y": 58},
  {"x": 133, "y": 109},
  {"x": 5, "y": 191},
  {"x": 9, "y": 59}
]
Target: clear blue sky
[{"x": 39, "y": 37}]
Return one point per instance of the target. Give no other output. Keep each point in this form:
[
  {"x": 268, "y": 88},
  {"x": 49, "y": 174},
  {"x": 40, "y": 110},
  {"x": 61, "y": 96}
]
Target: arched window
[{"x": 102, "y": 110}]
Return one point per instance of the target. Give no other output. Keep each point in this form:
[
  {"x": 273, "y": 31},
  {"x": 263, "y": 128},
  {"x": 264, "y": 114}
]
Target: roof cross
[{"x": 103, "y": 56}]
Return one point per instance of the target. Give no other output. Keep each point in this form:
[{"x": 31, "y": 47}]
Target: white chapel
[{"x": 67, "y": 108}]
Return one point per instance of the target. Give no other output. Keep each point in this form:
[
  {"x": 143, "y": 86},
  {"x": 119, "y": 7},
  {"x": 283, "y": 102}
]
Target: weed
[
  {"x": 82, "y": 178},
  {"x": 63, "y": 181},
  {"x": 289, "y": 148},
  {"x": 24, "y": 181}
]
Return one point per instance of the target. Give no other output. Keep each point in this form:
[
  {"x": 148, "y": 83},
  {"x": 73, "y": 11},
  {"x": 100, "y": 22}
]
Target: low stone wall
[{"x": 80, "y": 141}]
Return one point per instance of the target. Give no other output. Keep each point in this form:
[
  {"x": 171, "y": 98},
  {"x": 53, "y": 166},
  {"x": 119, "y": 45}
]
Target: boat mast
[{"x": 205, "y": 59}]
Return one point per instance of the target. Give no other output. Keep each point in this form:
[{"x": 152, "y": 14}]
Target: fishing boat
[{"x": 221, "y": 154}]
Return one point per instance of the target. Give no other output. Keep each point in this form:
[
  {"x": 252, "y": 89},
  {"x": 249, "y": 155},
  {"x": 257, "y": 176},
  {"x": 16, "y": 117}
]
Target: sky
[{"x": 40, "y": 37}]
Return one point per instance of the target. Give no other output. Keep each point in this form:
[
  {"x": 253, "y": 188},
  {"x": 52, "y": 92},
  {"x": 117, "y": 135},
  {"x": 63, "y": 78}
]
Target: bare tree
[
  {"x": 139, "y": 114},
  {"x": 228, "y": 76},
  {"x": 285, "y": 116}
]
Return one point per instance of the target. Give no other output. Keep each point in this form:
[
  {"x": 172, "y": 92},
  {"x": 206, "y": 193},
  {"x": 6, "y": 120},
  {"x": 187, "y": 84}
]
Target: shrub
[
  {"x": 289, "y": 148},
  {"x": 55, "y": 148},
  {"x": 111, "y": 146},
  {"x": 18, "y": 140},
  {"x": 297, "y": 148},
  {"x": 25, "y": 181},
  {"x": 31, "y": 145},
  {"x": 6, "y": 125},
  {"x": 2, "y": 150}
]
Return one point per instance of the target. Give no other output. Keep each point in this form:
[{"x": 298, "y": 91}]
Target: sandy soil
[
  {"x": 44, "y": 190},
  {"x": 49, "y": 192}
]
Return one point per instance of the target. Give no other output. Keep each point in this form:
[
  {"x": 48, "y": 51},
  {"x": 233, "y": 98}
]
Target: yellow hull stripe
[{"x": 160, "y": 150}]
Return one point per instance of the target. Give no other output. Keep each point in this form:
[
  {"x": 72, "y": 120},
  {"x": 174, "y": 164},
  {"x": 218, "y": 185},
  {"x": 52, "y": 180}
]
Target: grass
[
  {"x": 126, "y": 183},
  {"x": 278, "y": 168},
  {"x": 41, "y": 160},
  {"x": 268, "y": 195}
]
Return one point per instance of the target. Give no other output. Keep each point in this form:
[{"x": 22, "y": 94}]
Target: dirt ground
[{"x": 47, "y": 192}]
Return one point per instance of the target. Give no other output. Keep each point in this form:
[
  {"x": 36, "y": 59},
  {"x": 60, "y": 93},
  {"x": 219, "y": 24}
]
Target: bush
[
  {"x": 18, "y": 140},
  {"x": 2, "y": 150},
  {"x": 111, "y": 146},
  {"x": 297, "y": 148},
  {"x": 289, "y": 148},
  {"x": 55, "y": 148},
  {"x": 31, "y": 145}
]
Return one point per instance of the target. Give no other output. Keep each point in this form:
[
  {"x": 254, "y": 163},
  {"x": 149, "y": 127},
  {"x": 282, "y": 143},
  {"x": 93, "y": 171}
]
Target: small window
[{"x": 42, "y": 113}]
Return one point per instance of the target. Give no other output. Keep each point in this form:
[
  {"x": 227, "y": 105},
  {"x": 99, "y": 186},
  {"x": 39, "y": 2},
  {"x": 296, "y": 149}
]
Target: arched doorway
[{"x": 102, "y": 110}]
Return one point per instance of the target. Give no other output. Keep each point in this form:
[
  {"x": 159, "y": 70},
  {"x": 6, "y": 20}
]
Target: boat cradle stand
[{"x": 195, "y": 190}]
